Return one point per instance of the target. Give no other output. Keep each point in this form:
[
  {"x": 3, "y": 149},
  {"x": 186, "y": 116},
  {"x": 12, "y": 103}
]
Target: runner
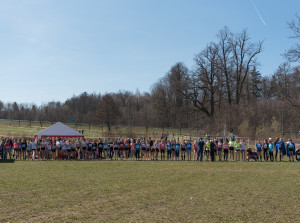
[
  {"x": 137, "y": 149},
  {"x": 89, "y": 149},
  {"x": 225, "y": 149},
  {"x": 94, "y": 150},
  {"x": 148, "y": 148},
  {"x": 162, "y": 147},
  {"x": 132, "y": 149},
  {"x": 291, "y": 150},
  {"x": 243, "y": 150},
  {"x": 183, "y": 149},
  {"x": 271, "y": 148},
  {"x": 73, "y": 149},
  {"x": 169, "y": 150},
  {"x": 177, "y": 148},
  {"x": 53, "y": 150},
  {"x": 33, "y": 149},
  {"x": 111, "y": 149},
  {"x": 20, "y": 149},
  {"x": 220, "y": 148},
  {"x": 195, "y": 146},
  {"x": 173, "y": 149},
  {"x": 121, "y": 148},
  {"x": 78, "y": 148},
  {"x": 127, "y": 148},
  {"x": 116, "y": 149},
  {"x": 24, "y": 147},
  {"x": 231, "y": 150},
  {"x": 144, "y": 149},
  {"x": 8, "y": 148},
  {"x": 266, "y": 150},
  {"x": 16, "y": 149},
  {"x": 28, "y": 149},
  {"x": 156, "y": 145},
  {"x": 189, "y": 150},
  {"x": 83, "y": 149},
  {"x": 100, "y": 148},
  {"x": 258, "y": 149},
  {"x": 237, "y": 146},
  {"x": 207, "y": 144},
  {"x": 105, "y": 148}
]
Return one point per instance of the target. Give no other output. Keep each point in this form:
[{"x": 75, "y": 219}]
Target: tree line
[{"x": 223, "y": 91}]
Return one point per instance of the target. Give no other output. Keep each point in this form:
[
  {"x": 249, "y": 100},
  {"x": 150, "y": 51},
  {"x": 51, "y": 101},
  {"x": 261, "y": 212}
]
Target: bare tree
[
  {"x": 107, "y": 111},
  {"x": 207, "y": 75},
  {"x": 293, "y": 54},
  {"x": 244, "y": 53}
]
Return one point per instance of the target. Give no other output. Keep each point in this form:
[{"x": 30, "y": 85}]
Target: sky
[{"x": 51, "y": 50}]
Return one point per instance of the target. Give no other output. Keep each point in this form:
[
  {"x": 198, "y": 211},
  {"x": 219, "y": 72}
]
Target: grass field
[
  {"x": 133, "y": 191},
  {"x": 25, "y": 129}
]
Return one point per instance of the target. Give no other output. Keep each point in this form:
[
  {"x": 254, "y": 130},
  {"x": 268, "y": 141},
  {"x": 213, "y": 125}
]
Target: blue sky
[{"x": 53, "y": 49}]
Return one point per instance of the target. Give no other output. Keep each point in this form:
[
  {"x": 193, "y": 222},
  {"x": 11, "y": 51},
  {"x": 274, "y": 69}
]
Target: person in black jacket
[{"x": 212, "y": 147}]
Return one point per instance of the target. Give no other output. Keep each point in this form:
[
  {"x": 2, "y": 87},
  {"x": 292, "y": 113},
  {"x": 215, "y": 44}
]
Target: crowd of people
[{"x": 146, "y": 149}]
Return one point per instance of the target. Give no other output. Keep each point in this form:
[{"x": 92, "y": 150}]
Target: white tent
[{"x": 58, "y": 130}]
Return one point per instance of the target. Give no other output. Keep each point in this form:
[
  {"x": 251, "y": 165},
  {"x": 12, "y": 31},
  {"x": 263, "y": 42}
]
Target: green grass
[
  {"x": 24, "y": 129},
  {"x": 132, "y": 191}
]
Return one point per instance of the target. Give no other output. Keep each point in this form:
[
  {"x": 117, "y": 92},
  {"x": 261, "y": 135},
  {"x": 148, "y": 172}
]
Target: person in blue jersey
[
  {"x": 169, "y": 151},
  {"x": 291, "y": 151},
  {"x": 277, "y": 145},
  {"x": 200, "y": 150},
  {"x": 137, "y": 149},
  {"x": 177, "y": 148},
  {"x": 189, "y": 150},
  {"x": 279, "y": 149},
  {"x": 271, "y": 148},
  {"x": 258, "y": 149}
]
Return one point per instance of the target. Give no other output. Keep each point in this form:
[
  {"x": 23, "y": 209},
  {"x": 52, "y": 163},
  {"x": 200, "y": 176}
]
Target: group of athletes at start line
[{"x": 145, "y": 149}]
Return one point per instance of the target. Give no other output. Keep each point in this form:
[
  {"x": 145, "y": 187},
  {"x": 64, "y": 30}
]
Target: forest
[{"x": 223, "y": 90}]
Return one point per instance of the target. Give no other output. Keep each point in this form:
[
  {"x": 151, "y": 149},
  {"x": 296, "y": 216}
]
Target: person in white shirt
[{"x": 33, "y": 148}]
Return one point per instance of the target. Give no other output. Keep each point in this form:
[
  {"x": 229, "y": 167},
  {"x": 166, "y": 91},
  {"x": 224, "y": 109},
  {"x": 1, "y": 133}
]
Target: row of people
[{"x": 147, "y": 149}]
